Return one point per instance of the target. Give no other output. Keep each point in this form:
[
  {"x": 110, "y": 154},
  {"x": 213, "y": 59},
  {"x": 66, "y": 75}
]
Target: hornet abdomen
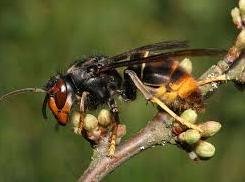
[{"x": 170, "y": 83}]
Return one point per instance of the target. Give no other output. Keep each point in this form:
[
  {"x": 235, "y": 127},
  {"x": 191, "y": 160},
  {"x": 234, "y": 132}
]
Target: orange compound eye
[
  {"x": 61, "y": 115},
  {"x": 59, "y": 91},
  {"x": 59, "y": 100}
]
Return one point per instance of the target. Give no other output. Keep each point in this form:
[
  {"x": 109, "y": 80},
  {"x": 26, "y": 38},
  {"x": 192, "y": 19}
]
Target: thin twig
[{"x": 155, "y": 133}]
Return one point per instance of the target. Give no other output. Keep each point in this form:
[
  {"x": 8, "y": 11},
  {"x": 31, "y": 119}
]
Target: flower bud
[
  {"x": 94, "y": 134},
  {"x": 190, "y": 136},
  {"x": 105, "y": 117},
  {"x": 193, "y": 156},
  {"x": 236, "y": 18},
  {"x": 189, "y": 115},
  {"x": 186, "y": 64},
  {"x": 209, "y": 128},
  {"x": 121, "y": 130},
  {"x": 90, "y": 122},
  {"x": 204, "y": 150},
  {"x": 240, "y": 43},
  {"x": 242, "y": 6}
]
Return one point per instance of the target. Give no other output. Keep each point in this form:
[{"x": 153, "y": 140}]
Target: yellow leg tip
[
  {"x": 77, "y": 130},
  {"x": 111, "y": 150},
  {"x": 112, "y": 146}
]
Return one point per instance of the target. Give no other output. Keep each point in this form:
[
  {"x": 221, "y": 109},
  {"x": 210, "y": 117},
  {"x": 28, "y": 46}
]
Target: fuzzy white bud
[
  {"x": 90, "y": 122},
  {"x": 189, "y": 115},
  {"x": 240, "y": 43},
  {"x": 193, "y": 156},
  {"x": 209, "y": 128},
  {"x": 242, "y": 6},
  {"x": 105, "y": 117},
  {"x": 186, "y": 64},
  {"x": 204, "y": 150},
  {"x": 236, "y": 17},
  {"x": 190, "y": 136},
  {"x": 121, "y": 130}
]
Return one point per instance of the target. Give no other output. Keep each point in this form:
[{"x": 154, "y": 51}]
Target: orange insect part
[{"x": 62, "y": 115}]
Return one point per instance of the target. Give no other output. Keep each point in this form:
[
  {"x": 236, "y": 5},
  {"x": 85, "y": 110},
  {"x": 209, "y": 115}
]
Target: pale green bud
[
  {"x": 121, "y": 130},
  {"x": 189, "y": 116},
  {"x": 209, "y": 128},
  {"x": 94, "y": 134},
  {"x": 204, "y": 150},
  {"x": 190, "y": 136},
  {"x": 236, "y": 17},
  {"x": 186, "y": 64},
  {"x": 240, "y": 43},
  {"x": 193, "y": 156},
  {"x": 242, "y": 6},
  {"x": 90, "y": 122},
  {"x": 105, "y": 117}
]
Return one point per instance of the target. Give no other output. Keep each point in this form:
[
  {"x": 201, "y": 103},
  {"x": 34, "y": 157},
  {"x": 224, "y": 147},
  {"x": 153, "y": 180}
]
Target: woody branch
[{"x": 158, "y": 131}]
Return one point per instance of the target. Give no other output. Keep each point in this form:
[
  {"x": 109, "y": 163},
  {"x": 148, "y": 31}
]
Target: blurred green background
[{"x": 39, "y": 37}]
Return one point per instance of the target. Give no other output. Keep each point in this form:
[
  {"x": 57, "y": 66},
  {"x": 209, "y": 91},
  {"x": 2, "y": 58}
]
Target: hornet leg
[
  {"x": 78, "y": 127},
  {"x": 147, "y": 94},
  {"x": 112, "y": 145}
]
